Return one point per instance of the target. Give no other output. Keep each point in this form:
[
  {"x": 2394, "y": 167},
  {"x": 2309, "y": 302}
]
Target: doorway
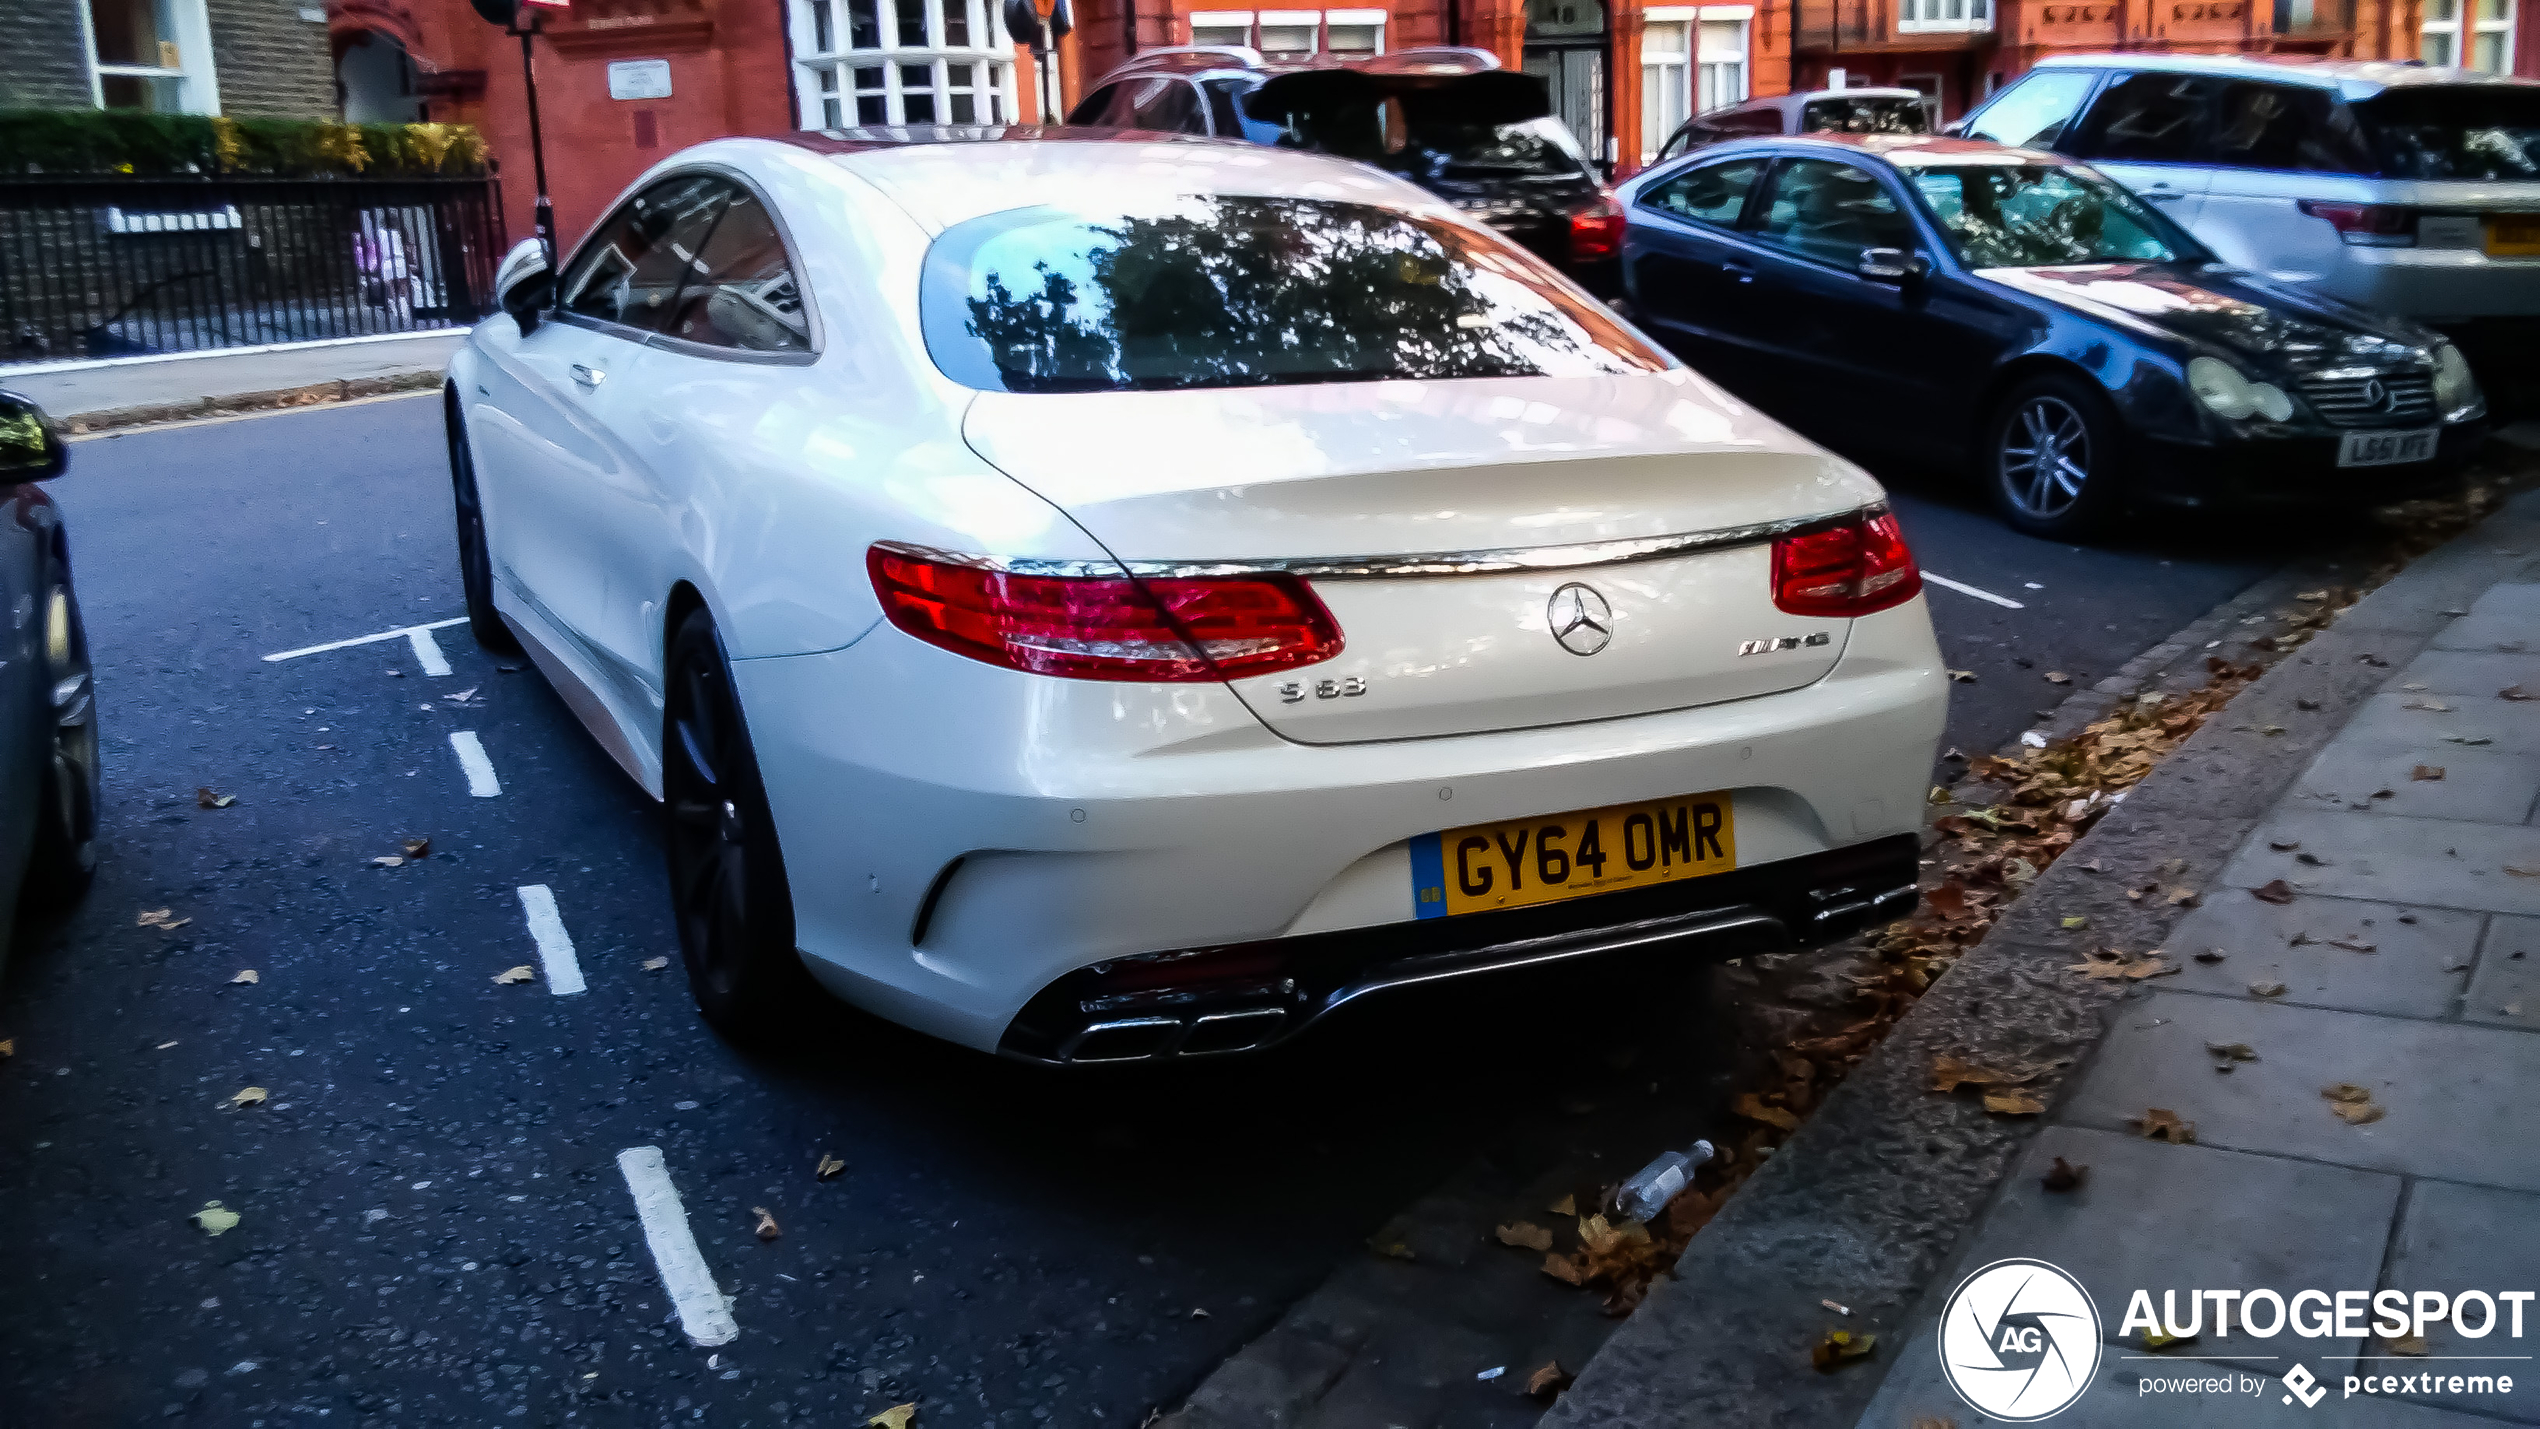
[{"x": 1565, "y": 48}]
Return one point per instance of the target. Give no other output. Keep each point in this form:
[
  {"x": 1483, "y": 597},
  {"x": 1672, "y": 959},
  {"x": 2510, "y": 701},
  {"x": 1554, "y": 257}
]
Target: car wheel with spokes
[
  {"x": 65, "y": 858},
  {"x": 727, "y": 876},
  {"x": 476, "y": 565},
  {"x": 2052, "y": 459}
]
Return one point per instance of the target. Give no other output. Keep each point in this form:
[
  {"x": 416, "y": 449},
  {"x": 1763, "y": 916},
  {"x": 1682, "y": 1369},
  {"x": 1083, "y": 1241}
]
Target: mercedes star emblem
[
  {"x": 1581, "y": 620},
  {"x": 2376, "y": 394}
]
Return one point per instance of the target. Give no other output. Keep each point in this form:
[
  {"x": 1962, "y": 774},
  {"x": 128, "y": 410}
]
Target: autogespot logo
[{"x": 2019, "y": 1340}]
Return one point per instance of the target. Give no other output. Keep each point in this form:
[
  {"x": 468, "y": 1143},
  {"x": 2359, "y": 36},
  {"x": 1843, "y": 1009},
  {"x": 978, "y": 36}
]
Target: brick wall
[
  {"x": 270, "y": 61},
  {"x": 42, "y": 62}
]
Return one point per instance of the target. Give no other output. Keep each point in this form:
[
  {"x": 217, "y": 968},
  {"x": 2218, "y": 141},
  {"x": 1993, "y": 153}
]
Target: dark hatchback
[
  {"x": 2016, "y": 312},
  {"x": 1450, "y": 120}
]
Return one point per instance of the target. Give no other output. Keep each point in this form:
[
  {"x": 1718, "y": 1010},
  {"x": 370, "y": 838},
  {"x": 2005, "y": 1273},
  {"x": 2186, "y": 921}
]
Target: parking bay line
[
  {"x": 1963, "y": 588},
  {"x": 555, "y": 946},
  {"x": 479, "y": 769},
  {"x": 419, "y": 637},
  {"x": 703, "y": 1311}
]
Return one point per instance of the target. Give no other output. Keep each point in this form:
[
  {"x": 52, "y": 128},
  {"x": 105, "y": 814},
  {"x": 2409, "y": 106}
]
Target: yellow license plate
[
  {"x": 1527, "y": 861},
  {"x": 2515, "y": 237}
]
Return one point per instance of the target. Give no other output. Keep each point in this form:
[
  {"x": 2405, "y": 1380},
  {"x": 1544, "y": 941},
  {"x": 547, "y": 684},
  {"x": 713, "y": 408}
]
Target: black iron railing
[{"x": 107, "y": 267}]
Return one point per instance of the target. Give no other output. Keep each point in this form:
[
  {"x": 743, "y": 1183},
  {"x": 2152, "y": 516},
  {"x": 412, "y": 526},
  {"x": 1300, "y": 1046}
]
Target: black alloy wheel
[
  {"x": 727, "y": 876},
  {"x": 65, "y": 858},
  {"x": 476, "y": 566},
  {"x": 2052, "y": 459}
]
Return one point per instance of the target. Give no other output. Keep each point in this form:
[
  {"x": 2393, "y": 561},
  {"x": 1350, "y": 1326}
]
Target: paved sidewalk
[
  {"x": 2409, "y": 958},
  {"x": 128, "y": 392}
]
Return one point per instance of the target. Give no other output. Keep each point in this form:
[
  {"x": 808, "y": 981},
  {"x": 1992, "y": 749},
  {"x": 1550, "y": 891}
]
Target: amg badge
[{"x": 1783, "y": 642}]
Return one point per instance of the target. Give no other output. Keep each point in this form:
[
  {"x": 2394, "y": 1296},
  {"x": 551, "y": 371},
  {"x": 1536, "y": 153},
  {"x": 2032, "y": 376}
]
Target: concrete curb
[
  {"x": 342, "y": 389},
  {"x": 1867, "y": 1203}
]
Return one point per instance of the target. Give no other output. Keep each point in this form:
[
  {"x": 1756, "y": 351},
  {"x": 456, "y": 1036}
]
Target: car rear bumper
[
  {"x": 2292, "y": 470},
  {"x": 1248, "y": 996},
  {"x": 2436, "y": 285},
  {"x": 959, "y": 838}
]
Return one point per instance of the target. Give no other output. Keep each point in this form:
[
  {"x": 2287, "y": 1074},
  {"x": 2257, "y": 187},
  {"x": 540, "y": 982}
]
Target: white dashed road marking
[
  {"x": 480, "y": 770},
  {"x": 555, "y": 947},
  {"x": 1963, "y": 588},
  {"x": 703, "y": 1312},
  {"x": 419, "y": 635}
]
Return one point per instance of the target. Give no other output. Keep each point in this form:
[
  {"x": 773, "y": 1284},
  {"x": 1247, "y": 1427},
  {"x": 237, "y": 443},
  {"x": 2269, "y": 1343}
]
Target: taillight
[
  {"x": 2366, "y": 225},
  {"x": 1859, "y": 566},
  {"x": 1107, "y": 628},
  {"x": 1596, "y": 233}
]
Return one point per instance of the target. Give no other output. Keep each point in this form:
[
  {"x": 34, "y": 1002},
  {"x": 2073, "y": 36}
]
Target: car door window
[
  {"x": 2282, "y": 126},
  {"x": 1168, "y": 106},
  {"x": 1711, "y": 193},
  {"x": 741, "y": 291},
  {"x": 629, "y": 271},
  {"x": 2149, "y": 119},
  {"x": 1831, "y": 212},
  {"x": 2033, "y": 113}
]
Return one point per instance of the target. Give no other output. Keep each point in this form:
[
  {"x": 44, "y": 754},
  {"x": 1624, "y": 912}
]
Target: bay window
[{"x": 901, "y": 62}]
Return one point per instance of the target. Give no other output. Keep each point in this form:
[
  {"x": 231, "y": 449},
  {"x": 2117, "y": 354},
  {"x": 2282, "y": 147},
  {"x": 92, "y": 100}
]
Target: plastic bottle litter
[{"x": 1651, "y": 1187}]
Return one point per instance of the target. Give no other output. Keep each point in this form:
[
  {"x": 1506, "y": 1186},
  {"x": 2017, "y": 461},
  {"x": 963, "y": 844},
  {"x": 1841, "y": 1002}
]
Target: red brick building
[{"x": 623, "y": 82}]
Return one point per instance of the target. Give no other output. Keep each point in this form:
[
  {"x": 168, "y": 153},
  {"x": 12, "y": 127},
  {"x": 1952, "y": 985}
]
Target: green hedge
[{"x": 59, "y": 142}]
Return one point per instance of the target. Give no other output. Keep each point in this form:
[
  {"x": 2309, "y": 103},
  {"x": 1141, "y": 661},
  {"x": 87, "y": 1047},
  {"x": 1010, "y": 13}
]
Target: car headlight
[
  {"x": 2455, "y": 389},
  {"x": 2229, "y": 395}
]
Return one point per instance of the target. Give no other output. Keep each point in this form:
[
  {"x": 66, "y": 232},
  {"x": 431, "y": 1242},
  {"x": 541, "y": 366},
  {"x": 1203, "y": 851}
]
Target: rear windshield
[
  {"x": 1242, "y": 292},
  {"x": 1400, "y": 138},
  {"x": 1890, "y": 114},
  {"x": 2041, "y": 216},
  {"x": 2463, "y": 132}
]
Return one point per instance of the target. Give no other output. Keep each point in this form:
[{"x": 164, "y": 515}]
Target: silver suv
[{"x": 2398, "y": 187}]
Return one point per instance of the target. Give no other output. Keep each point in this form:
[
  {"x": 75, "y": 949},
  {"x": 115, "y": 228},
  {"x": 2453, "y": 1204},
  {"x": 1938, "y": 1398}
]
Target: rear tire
[
  {"x": 476, "y": 565},
  {"x": 2054, "y": 460},
  {"x": 64, "y": 862},
  {"x": 728, "y": 892}
]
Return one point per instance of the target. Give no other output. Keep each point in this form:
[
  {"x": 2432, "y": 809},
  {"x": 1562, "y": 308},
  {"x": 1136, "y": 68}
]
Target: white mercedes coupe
[{"x": 1097, "y": 596}]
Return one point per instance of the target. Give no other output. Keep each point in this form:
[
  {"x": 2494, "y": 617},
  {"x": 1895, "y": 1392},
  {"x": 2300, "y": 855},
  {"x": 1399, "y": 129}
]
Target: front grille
[{"x": 2371, "y": 399}]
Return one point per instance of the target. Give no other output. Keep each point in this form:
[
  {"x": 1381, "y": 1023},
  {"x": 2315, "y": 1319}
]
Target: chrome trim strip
[{"x": 1499, "y": 561}]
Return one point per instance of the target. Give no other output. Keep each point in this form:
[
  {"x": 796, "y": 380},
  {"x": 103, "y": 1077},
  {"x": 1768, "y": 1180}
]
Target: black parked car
[
  {"x": 48, "y": 720},
  {"x": 2014, "y": 310},
  {"x": 1448, "y": 119}
]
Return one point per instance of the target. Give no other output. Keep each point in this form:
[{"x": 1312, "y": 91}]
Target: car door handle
[
  {"x": 2164, "y": 195},
  {"x": 1738, "y": 271},
  {"x": 590, "y": 377}
]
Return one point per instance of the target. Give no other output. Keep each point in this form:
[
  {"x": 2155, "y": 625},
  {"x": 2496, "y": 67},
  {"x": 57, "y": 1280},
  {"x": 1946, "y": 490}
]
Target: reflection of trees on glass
[
  {"x": 1246, "y": 291},
  {"x": 2000, "y": 216}
]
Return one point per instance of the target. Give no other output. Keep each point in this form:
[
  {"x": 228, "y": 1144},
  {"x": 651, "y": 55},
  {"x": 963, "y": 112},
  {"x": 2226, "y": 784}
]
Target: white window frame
[
  {"x": 1311, "y": 19},
  {"x": 825, "y": 77},
  {"x": 1221, "y": 21},
  {"x": 198, "y": 84},
  {"x": 1667, "y": 69},
  {"x": 2463, "y": 30},
  {"x": 1933, "y": 16},
  {"x": 1365, "y": 19},
  {"x": 1707, "y": 62}
]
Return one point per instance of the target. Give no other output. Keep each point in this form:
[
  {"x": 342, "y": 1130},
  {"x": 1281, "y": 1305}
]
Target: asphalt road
[{"x": 434, "y": 1228}]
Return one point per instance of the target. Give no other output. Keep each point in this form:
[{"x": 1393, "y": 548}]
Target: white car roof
[
  {"x": 2356, "y": 79},
  {"x": 950, "y": 176}
]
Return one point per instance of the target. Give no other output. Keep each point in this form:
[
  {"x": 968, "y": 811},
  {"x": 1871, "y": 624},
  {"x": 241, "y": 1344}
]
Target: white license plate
[{"x": 2388, "y": 448}]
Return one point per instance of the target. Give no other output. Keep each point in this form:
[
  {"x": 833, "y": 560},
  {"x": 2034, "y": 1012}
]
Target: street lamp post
[{"x": 521, "y": 18}]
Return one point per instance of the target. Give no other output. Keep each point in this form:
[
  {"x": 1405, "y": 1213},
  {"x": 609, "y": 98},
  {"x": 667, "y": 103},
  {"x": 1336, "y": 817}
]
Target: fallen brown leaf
[
  {"x": 2515, "y": 692},
  {"x": 418, "y": 848},
  {"x": 828, "y": 1169},
  {"x": 2233, "y": 1051},
  {"x": 2266, "y": 989},
  {"x": 245, "y": 975},
  {"x": 2352, "y": 1103},
  {"x": 204, "y": 798},
  {"x": 521, "y": 974},
  {"x": 2063, "y": 1175},
  {"x": 1950, "y": 1072},
  {"x": 766, "y": 1229},
  {"x": 8, "y": 1046},
  {"x": 2426, "y": 773},
  {"x": 654, "y": 965},
  {"x": 1839, "y": 1348},
  {"x": 159, "y": 918},
  {"x": 2010, "y": 1101},
  {"x": 2518, "y": 871},
  {"x": 1566, "y": 1206},
  {"x": 898, "y": 1416},
  {"x": 2162, "y": 1124},
  {"x": 1753, "y": 1108},
  {"x": 2275, "y": 891},
  {"x": 2113, "y": 967},
  {"x": 2408, "y": 1345},
  {"x": 1565, "y": 1269},
  {"x": 1549, "y": 1380},
  {"x": 1525, "y": 1235},
  {"x": 247, "y": 1096}
]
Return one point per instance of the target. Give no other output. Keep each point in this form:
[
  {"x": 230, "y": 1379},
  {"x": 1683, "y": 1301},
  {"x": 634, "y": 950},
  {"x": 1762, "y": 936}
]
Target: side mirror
[
  {"x": 524, "y": 284},
  {"x": 1890, "y": 265},
  {"x": 31, "y": 445}
]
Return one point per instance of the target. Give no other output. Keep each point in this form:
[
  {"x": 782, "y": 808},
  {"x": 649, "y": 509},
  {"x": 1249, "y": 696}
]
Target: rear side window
[
  {"x": 2149, "y": 119},
  {"x": 1831, "y": 212},
  {"x": 1885, "y": 115},
  {"x": 1168, "y": 106},
  {"x": 1713, "y": 193},
  {"x": 2282, "y": 126},
  {"x": 2478, "y": 132},
  {"x": 630, "y": 269},
  {"x": 2032, "y": 114},
  {"x": 741, "y": 291},
  {"x": 1242, "y": 292}
]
